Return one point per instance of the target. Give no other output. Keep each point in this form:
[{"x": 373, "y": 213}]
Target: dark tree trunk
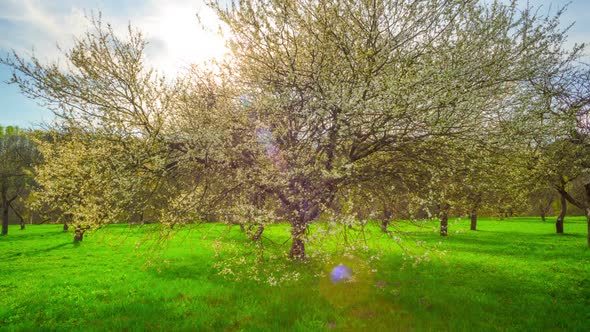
[
  {"x": 5, "y": 207},
  {"x": 79, "y": 235},
  {"x": 258, "y": 235},
  {"x": 304, "y": 213},
  {"x": 66, "y": 227},
  {"x": 4, "y": 217},
  {"x": 387, "y": 214},
  {"x": 444, "y": 224},
  {"x": 20, "y": 217},
  {"x": 473, "y": 220},
  {"x": 543, "y": 216},
  {"x": 580, "y": 204},
  {"x": 473, "y": 215},
  {"x": 561, "y": 217},
  {"x": 384, "y": 224},
  {"x": 242, "y": 227},
  {"x": 587, "y": 209},
  {"x": 298, "y": 246}
]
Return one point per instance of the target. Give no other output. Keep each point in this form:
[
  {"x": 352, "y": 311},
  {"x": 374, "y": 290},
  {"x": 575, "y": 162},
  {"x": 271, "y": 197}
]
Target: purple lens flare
[{"x": 340, "y": 273}]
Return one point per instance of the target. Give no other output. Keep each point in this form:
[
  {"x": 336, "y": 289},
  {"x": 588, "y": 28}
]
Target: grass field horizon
[{"x": 510, "y": 275}]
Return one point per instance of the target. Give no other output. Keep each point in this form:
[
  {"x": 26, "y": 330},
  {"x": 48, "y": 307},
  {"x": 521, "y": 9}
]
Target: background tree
[
  {"x": 562, "y": 140},
  {"x": 541, "y": 200},
  {"x": 17, "y": 157}
]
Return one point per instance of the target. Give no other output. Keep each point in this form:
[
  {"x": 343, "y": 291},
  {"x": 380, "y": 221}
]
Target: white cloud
[
  {"x": 28, "y": 24},
  {"x": 175, "y": 37}
]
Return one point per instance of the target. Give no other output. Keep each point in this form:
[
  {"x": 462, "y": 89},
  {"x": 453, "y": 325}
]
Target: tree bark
[
  {"x": 561, "y": 217},
  {"x": 587, "y": 209},
  {"x": 387, "y": 214},
  {"x": 580, "y": 204},
  {"x": 543, "y": 216},
  {"x": 20, "y": 217},
  {"x": 297, "y": 251},
  {"x": 444, "y": 223},
  {"x": 384, "y": 224},
  {"x": 79, "y": 235},
  {"x": 473, "y": 220},
  {"x": 5, "y": 207},
  {"x": 66, "y": 227},
  {"x": 258, "y": 234},
  {"x": 4, "y": 217},
  {"x": 473, "y": 215}
]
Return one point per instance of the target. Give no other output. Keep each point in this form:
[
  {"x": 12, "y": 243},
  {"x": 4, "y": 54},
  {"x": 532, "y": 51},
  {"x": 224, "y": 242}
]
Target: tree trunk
[
  {"x": 384, "y": 224},
  {"x": 256, "y": 236},
  {"x": 79, "y": 235},
  {"x": 561, "y": 217},
  {"x": 298, "y": 246},
  {"x": 444, "y": 224},
  {"x": 4, "y": 217},
  {"x": 587, "y": 209},
  {"x": 66, "y": 227},
  {"x": 473, "y": 215},
  {"x": 5, "y": 206},
  {"x": 473, "y": 220},
  {"x": 581, "y": 204},
  {"x": 20, "y": 217},
  {"x": 543, "y": 216},
  {"x": 387, "y": 215}
]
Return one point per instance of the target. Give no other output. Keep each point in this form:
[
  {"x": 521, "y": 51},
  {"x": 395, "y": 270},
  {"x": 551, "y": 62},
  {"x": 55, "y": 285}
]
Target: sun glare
[{"x": 178, "y": 39}]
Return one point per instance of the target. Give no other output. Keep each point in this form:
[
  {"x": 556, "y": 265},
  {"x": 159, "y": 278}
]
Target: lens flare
[
  {"x": 346, "y": 281},
  {"x": 340, "y": 273}
]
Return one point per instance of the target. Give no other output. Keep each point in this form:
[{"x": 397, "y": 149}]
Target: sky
[{"x": 175, "y": 36}]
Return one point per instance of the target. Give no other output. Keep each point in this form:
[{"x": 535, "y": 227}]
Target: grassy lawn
[{"x": 512, "y": 275}]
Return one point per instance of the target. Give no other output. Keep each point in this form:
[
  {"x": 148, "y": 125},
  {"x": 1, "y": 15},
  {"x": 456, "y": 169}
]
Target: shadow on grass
[
  {"x": 526, "y": 247},
  {"x": 27, "y": 236},
  {"x": 566, "y": 234},
  {"x": 469, "y": 297},
  {"x": 183, "y": 271},
  {"x": 37, "y": 252}
]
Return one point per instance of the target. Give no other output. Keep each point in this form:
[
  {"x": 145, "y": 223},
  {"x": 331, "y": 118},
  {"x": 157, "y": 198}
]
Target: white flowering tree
[{"x": 337, "y": 82}]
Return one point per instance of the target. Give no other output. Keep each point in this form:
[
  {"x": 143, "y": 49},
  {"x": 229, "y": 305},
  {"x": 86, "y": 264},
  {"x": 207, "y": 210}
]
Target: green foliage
[
  {"x": 511, "y": 275},
  {"x": 18, "y": 155}
]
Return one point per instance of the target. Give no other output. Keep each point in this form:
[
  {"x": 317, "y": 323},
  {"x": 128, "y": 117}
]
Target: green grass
[{"x": 511, "y": 275}]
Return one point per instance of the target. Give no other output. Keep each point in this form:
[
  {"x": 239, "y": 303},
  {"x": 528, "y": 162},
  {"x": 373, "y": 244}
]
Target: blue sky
[{"x": 175, "y": 38}]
